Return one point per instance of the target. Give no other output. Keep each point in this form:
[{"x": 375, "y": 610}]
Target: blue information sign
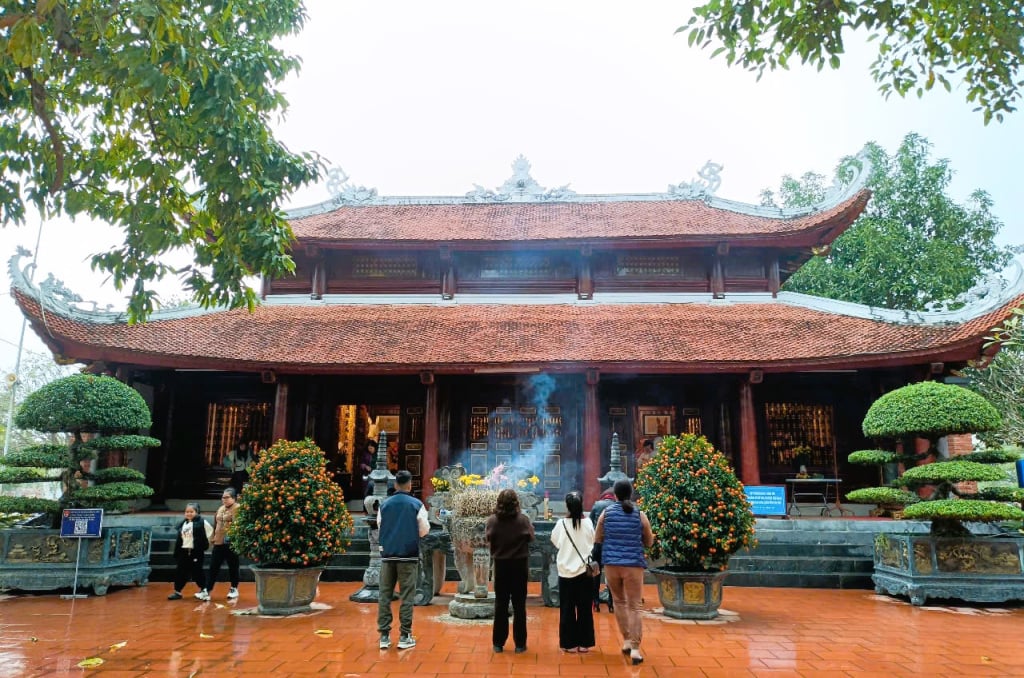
[
  {"x": 85, "y": 522},
  {"x": 767, "y": 500}
]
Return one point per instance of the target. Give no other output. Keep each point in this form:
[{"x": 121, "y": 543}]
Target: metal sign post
[{"x": 80, "y": 524}]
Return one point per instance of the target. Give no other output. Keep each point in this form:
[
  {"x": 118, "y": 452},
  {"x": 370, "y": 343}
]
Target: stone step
[
  {"x": 797, "y": 564},
  {"x": 800, "y": 580}
]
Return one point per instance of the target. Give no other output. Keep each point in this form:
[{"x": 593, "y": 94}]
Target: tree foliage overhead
[
  {"x": 1002, "y": 383},
  {"x": 912, "y": 246},
  {"x": 153, "y": 116},
  {"x": 919, "y": 43}
]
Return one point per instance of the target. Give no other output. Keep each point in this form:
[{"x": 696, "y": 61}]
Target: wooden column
[
  {"x": 750, "y": 464},
  {"x": 431, "y": 433},
  {"x": 585, "y": 278},
  {"x": 774, "y": 277},
  {"x": 280, "y": 430},
  {"x": 591, "y": 440}
]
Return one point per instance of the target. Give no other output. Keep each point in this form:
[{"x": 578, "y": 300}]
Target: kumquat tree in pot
[
  {"x": 291, "y": 521},
  {"x": 700, "y": 517}
]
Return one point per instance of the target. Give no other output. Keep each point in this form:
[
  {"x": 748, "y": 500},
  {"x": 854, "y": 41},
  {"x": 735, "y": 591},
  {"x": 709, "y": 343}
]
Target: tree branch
[{"x": 39, "y": 108}]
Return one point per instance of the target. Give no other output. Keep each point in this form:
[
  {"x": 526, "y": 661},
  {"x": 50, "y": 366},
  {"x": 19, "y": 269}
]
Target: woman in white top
[{"x": 574, "y": 538}]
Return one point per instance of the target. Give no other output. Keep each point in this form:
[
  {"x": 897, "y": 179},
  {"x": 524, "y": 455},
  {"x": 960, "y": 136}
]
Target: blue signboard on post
[
  {"x": 767, "y": 500},
  {"x": 82, "y": 522}
]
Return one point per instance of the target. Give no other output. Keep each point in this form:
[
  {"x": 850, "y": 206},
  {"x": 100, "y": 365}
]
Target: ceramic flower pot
[
  {"x": 689, "y": 595},
  {"x": 281, "y": 591}
]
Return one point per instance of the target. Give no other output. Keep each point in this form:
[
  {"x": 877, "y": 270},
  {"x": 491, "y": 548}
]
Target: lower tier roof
[{"x": 765, "y": 333}]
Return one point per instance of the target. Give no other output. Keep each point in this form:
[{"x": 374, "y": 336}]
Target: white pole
[{"x": 21, "y": 344}]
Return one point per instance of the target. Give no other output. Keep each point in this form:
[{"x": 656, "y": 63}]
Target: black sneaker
[
  {"x": 385, "y": 641},
  {"x": 174, "y": 596}
]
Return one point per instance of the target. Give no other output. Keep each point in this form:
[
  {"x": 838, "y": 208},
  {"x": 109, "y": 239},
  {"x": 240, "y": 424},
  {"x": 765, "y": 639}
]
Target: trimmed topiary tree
[
  {"x": 102, "y": 416},
  {"x": 931, "y": 410}
]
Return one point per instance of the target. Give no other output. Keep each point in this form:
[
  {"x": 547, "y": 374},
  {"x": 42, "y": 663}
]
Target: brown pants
[{"x": 627, "y": 588}]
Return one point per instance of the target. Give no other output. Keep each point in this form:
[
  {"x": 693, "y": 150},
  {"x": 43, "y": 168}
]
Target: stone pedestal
[
  {"x": 469, "y": 606},
  {"x": 370, "y": 592}
]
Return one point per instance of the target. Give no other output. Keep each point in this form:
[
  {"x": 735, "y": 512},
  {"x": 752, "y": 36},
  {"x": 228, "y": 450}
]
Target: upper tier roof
[
  {"x": 678, "y": 333},
  {"x": 523, "y": 211}
]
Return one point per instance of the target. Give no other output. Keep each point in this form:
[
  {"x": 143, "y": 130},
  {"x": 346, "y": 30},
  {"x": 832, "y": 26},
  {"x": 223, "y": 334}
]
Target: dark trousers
[
  {"x": 510, "y": 586},
  {"x": 222, "y": 552},
  {"x": 190, "y": 566},
  {"x": 575, "y": 613},
  {"x": 404, "y": 574}
]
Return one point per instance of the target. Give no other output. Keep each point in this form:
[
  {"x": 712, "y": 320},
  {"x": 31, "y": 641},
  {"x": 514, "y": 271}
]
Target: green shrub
[
  {"x": 929, "y": 410},
  {"x": 963, "y": 510},
  {"x": 23, "y": 475},
  {"x": 953, "y": 471},
  {"x": 873, "y": 457},
  {"x": 118, "y": 491},
  {"x": 109, "y": 443},
  {"x": 84, "y": 403},
  {"x": 115, "y": 474},
  {"x": 696, "y": 505},
  {"x": 28, "y": 505},
  {"x": 886, "y": 496},
  {"x": 39, "y": 456},
  {"x": 996, "y": 455},
  {"x": 1002, "y": 493}
]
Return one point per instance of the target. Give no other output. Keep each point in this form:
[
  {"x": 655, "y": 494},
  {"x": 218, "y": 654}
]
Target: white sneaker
[
  {"x": 232, "y": 593},
  {"x": 203, "y": 595},
  {"x": 406, "y": 641}
]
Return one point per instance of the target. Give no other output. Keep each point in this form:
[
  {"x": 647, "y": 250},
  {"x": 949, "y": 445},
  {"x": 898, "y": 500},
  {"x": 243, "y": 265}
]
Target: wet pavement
[{"x": 763, "y": 632}]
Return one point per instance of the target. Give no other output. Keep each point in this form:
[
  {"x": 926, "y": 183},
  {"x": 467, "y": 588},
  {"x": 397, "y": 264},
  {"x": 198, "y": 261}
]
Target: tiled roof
[
  {"x": 691, "y": 220},
  {"x": 696, "y": 337}
]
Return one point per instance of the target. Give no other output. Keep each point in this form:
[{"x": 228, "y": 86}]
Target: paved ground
[{"x": 776, "y": 632}]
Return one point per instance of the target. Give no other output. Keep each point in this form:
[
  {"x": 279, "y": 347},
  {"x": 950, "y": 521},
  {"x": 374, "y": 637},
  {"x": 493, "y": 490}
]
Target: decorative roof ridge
[
  {"x": 53, "y": 296},
  {"x": 522, "y": 188},
  {"x": 991, "y": 293}
]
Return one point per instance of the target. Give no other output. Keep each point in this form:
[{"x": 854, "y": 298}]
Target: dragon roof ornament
[{"x": 521, "y": 187}]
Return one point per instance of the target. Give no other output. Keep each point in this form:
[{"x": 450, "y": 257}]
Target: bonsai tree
[
  {"x": 291, "y": 513},
  {"x": 697, "y": 507},
  {"x": 103, "y": 417},
  {"x": 931, "y": 410}
]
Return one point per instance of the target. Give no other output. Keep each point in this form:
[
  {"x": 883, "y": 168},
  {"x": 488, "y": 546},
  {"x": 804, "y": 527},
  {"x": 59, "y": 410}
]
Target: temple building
[{"x": 526, "y": 325}]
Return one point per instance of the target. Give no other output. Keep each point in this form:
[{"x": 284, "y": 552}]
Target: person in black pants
[
  {"x": 189, "y": 548},
  {"x": 509, "y": 533},
  {"x": 573, "y": 536},
  {"x": 222, "y": 546}
]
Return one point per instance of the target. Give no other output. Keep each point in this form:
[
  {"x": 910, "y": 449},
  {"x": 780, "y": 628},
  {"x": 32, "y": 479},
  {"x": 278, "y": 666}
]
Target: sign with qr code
[{"x": 84, "y": 523}]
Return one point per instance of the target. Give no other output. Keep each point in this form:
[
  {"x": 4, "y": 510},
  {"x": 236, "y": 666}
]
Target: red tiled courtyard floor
[{"x": 776, "y": 632}]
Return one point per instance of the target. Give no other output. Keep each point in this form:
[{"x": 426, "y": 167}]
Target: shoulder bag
[{"x": 593, "y": 569}]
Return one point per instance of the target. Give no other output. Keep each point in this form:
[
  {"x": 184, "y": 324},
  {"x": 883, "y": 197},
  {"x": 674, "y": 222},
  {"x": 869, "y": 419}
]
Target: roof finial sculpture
[
  {"x": 615, "y": 465},
  {"x": 520, "y": 187},
  {"x": 344, "y": 193},
  {"x": 705, "y": 186}
]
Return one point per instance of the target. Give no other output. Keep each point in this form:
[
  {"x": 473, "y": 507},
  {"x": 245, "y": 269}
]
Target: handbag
[{"x": 593, "y": 569}]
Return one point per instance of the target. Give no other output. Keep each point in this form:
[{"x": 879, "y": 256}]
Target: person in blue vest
[
  {"x": 401, "y": 521},
  {"x": 623, "y": 532}
]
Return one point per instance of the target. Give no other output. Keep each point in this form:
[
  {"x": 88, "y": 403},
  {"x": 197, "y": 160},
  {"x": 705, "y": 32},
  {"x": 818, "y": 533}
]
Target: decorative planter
[
  {"x": 473, "y": 561},
  {"x": 976, "y": 569},
  {"x": 34, "y": 559},
  {"x": 689, "y": 595},
  {"x": 284, "y": 591}
]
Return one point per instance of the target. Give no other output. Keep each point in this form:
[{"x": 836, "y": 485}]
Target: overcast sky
[{"x": 430, "y": 98}]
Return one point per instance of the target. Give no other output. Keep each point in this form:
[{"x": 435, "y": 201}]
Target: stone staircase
[
  {"x": 812, "y": 553},
  {"x": 793, "y": 553}
]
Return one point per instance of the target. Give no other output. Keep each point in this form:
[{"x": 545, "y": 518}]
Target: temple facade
[{"x": 526, "y": 325}]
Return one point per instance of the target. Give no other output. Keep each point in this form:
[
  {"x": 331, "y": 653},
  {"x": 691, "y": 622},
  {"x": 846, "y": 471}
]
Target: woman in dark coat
[{"x": 509, "y": 533}]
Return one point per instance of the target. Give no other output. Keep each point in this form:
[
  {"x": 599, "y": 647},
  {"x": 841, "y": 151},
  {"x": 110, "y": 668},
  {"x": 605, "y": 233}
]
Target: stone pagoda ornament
[
  {"x": 615, "y": 465},
  {"x": 520, "y": 187},
  {"x": 381, "y": 477}
]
